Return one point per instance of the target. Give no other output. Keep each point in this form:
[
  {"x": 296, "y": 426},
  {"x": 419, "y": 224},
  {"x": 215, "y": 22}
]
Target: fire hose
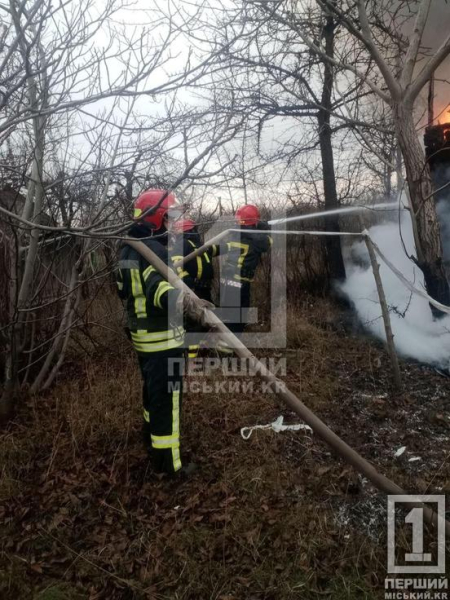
[
  {"x": 363, "y": 235},
  {"x": 279, "y": 388}
]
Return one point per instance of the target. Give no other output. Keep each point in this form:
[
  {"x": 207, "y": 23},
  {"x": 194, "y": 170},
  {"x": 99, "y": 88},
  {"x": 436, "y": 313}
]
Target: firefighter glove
[{"x": 195, "y": 308}]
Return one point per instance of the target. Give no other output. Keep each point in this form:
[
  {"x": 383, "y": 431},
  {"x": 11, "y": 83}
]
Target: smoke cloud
[
  {"x": 417, "y": 335},
  {"x": 443, "y": 212}
]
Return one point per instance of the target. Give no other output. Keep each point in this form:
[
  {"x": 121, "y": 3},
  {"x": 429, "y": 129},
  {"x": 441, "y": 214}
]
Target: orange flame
[{"x": 441, "y": 113}]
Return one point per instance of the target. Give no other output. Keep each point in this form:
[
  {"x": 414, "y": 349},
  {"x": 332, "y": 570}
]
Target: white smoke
[
  {"x": 443, "y": 212},
  {"x": 417, "y": 335}
]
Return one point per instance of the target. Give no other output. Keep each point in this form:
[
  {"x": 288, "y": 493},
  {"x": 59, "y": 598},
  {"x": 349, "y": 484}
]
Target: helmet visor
[{"x": 173, "y": 216}]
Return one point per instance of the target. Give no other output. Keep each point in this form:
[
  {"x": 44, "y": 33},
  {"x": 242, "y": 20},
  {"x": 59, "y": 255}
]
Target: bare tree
[
  {"x": 270, "y": 75},
  {"x": 375, "y": 29},
  {"x": 83, "y": 161}
]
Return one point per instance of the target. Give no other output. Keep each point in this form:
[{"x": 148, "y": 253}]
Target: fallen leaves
[{"x": 259, "y": 522}]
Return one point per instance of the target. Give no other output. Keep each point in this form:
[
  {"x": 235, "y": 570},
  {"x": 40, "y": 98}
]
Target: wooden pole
[
  {"x": 323, "y": 431},
  {"x": 385, "y": 313}
]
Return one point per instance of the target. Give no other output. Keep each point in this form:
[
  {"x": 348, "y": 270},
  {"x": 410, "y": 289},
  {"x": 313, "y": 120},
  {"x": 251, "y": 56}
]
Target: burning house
[{"x": 437, "y": 149}]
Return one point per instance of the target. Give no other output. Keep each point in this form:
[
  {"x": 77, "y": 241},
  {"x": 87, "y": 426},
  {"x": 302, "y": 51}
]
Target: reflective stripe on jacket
[
  {"x": 243, "y": 254},
  {"x": 198, "y": 271},
  {"x": 150, "y": 301}
]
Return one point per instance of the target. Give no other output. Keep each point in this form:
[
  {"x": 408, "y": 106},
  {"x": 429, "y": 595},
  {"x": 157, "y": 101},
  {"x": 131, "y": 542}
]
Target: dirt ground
[{"x": 274, "y": 517}]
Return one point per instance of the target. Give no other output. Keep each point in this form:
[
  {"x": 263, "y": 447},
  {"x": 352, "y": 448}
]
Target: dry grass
[{"x": 83, "y": 516}]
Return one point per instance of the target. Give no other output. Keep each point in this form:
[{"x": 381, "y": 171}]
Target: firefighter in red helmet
[
  {"x": 198, "y": 274},
  {"x": 156, "y": 330},
  {"x": 248, "y": 215},
  {"x": 243, "y": 255}
]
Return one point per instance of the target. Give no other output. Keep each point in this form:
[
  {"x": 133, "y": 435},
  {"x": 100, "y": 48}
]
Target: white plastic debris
[
  {"x": 414, "y": 459},
  {"x": 372, "y": 397},
  {"x": 276, "y": 426},
  {"x": 400, "y": 451}
]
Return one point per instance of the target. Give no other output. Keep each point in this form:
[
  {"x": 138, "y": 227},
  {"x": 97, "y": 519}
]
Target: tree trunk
[
  {"x": 418, "y": 176},
  {"x": 11, "y": 337},
  {"x": 58, "y": 342},
  {"x": 332, "y": 243}
]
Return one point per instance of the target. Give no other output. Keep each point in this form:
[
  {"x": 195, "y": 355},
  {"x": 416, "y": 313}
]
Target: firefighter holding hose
[
  {"x": 243, "y": 250},
  {"x": 154, "y": 314},
  {"x": 198, "y": 274}
]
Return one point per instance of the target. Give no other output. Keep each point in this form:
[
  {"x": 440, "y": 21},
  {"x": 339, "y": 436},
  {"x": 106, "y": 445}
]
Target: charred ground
[{"x": 276, "y": 517}]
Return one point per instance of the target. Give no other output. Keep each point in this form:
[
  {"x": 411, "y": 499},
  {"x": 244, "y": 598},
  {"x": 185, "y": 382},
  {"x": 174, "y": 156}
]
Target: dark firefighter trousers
[{"x": 162, "y": 374}]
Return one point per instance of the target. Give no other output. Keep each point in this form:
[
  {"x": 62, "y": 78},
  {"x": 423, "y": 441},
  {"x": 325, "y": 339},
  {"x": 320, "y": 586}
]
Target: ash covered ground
[{"x": 275, "y": 517}]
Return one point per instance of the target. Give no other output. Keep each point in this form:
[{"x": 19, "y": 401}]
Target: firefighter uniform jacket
[
  {"x": 243, "y": 253},
  {"x": 150, "y": 301},
  {"x": 198, "y": 273}
]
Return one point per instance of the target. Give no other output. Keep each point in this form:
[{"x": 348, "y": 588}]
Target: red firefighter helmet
[
  {"x": 151, "y": 198},
  {"x": 183, "y": 225},
  {"x": 248, "y": 215}
]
